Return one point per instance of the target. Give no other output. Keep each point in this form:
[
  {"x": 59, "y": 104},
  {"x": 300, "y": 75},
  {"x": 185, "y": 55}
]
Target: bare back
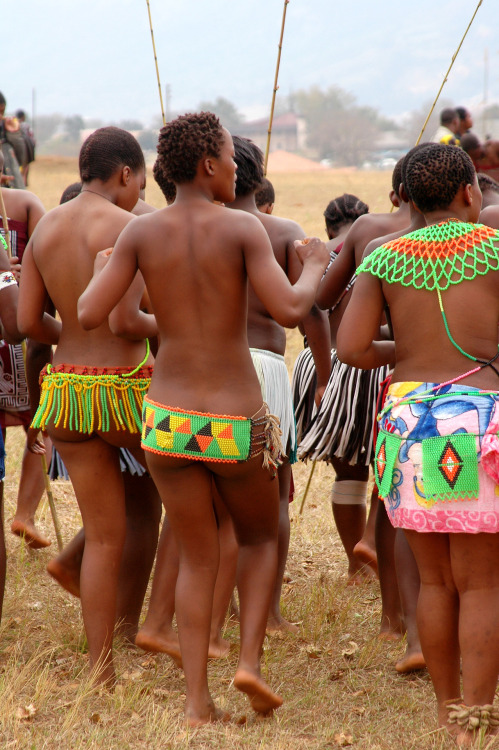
[
  {"x": 191, "y": 258},
  {"x": 263, "y": 331},
  {"x": 424, "y": 351},
  {"x": 63, "y": 250}
]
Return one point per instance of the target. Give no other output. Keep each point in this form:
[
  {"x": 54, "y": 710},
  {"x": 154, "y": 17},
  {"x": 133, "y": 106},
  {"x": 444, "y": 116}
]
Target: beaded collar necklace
[{"x": 435, "y": 257}]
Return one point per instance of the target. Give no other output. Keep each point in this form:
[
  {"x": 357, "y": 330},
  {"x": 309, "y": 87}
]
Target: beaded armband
[{"x": 7, "y": 279}]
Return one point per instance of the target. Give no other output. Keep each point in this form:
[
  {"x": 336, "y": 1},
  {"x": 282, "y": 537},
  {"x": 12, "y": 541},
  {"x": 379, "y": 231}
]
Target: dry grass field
[{"x": 332, "y": 699}]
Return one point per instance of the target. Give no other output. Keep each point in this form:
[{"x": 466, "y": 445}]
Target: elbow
[
  {"x": 86, "y": 317},
  {"x": 348, "y": 356},
  {"x": 322, "y": 300}
]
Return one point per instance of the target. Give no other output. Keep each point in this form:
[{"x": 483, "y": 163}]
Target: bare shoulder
[
  {"x": 490, "y": 217},
  {"x": 282, "y": 232},
  {"x": 378, "y": 241}
]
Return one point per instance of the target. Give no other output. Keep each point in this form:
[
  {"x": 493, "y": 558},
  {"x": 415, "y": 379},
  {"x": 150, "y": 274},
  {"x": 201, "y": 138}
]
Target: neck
[
  {"x": 245, "y": 203},
  {"x": 435, "y": 217}
]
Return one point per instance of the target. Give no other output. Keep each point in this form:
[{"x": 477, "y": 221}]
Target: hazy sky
[{"x": 95, "y": 58}]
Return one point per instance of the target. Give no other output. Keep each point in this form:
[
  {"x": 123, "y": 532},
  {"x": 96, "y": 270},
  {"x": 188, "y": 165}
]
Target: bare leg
[
  {"x": 409, "y": 584},
  {"x": 252, "y": 498},
  {"x": 143, "y": 514},
  {"x": 157, "y": 633},
  {"x": 66, "y": 567},
  {"x": 365, "y": 549},
  {"x": 276, "y": 622},
  {"x": 226, "y": 579},
  {"x": 30, "y": 492},
  {"x": 186, "y": 490},
  {"x": 349, "y": 511},
  {"x": 438, "y": 615},
  {"x": 100, "y": 496},
  {"x": 475, "y": 570},
  {"x": 392, "y": 623}
]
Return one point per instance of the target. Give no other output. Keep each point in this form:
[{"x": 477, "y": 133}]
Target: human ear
[
  {"x": 209, "y": 166},
  {"x": 125, "y": 175}
]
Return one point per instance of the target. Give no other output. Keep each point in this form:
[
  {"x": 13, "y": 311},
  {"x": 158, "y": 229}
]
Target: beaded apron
[
  {"x": 210, "y": 437},
  {"x": 94, "y": 399}
]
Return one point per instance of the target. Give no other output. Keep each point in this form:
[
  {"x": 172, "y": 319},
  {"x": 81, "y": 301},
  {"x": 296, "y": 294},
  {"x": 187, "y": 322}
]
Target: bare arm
[
  {"x": 128, "y": 320},
  {"x": 360, "y": 326},
  {"x": 315, "y": 326},
  {"x": 338, "y": 274},
  {"x": 287, "y": 304},
  {"x": 36, "y": 210},
  {"x": 114, "y": 272},
  {"x": 32, "y": 320}
]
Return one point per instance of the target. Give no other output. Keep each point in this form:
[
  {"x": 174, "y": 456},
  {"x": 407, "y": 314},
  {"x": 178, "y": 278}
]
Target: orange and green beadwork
[{"x": 436, "y": 256}]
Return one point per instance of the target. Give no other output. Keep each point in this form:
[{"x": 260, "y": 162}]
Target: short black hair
[
  {"x": 462, "y": 112},
  {"x": 168, "y": 187},
  {"x": 3, "y": 100},
  {"x": 265, "y": 193},
  {"x": 249, "y": 160},
  {"x": 469, "y": 142},
  {"x": 106, "y": 151},
  {"x": 183, "y": 142},
  {"x": 487, "y": 183},
  {"x": 70, "y": 192},
  {"x": 397, "y": 176},
  {"x": 447, "y": 115},
  {"x": 344, "y": 209},
  {"x": 436, "y": 173}
]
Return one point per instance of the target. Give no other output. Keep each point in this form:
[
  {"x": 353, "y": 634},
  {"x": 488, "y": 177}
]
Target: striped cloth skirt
[{"x": 342, "y": 427}]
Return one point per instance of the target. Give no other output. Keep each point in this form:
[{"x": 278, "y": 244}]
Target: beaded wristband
[{"x": 7, "y": 279}]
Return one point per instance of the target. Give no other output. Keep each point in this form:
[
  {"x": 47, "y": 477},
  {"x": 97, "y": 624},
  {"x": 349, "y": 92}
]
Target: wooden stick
[
  {"x": 308, "y": 485},
  {"x": 269, "y": 132},
  {"x": 454, "y": 56},
  {"x": 156, "y": 63},
  {"x": 53, "y": 509}
]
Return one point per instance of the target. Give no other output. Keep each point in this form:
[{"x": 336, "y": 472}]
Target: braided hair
[
  {"x": 435, "y": 175},
  {"x": 344, "y": 210}
]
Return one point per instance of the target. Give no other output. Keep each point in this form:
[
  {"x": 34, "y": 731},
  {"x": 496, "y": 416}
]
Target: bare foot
[
  {"x": 218, "y": 649},
  {"x": 66, "y": 577},
  {"x": 367, "y": 555},
  {"x": 389, "y": 635},
  {"x": 410, "y": 662},
  {"x": 261, "y": 697},
  {"x": 28, "y": 531},
  {"x": 157, "y": 643},
  {"x": 359, "y": 575},
  {"x": 195, "y": 719},
  {"x": 280, "y": 625},
  {"x": 391, "y": 628}
]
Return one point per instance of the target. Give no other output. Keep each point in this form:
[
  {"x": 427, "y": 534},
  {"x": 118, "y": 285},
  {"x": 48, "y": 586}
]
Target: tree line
[{"x": 338, "y": 128}]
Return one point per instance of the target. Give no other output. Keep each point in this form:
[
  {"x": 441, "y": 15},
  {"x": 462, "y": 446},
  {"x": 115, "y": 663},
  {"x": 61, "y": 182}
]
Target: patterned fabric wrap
[
  {"x": 101, "y": 399},
  {"x": 207, "y": 437},
  {"x": 14, "y": 397},
  {"x": 436, "y": 256},
  {"x": 427, "y": 462},
  {"x": 276, "y": 392},
  {"x": 343, "y": 425}
]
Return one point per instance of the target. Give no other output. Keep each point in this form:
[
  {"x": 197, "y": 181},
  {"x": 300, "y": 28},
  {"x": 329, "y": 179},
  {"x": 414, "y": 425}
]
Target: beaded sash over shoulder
[{"x": 436, "y": 256}]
